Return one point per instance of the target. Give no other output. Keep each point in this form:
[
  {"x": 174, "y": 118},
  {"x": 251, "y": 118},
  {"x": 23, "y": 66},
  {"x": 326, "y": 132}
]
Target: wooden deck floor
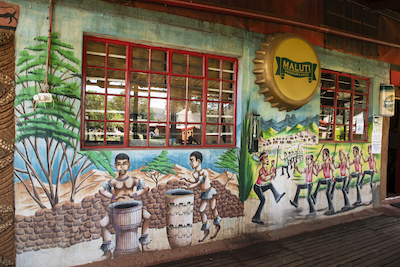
[{"x": 370, "y": 242}]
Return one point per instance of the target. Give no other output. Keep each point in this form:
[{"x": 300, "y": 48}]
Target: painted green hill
[
  {"x": 284, "y": 131},
  {"x": 312, "y": 127},
  {"x": 270, "y": 132},
  {"x": 297, "y": 128}
]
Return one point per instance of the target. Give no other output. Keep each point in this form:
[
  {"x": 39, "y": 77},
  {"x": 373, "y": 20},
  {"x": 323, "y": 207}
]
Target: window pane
[
  {"x": 95, "y": 80},
  {"x": 360, "y": 137},
  {"x": 140, "y": 58},
  {"x": 360, "y": 101},
  {"x": 195, "y": 89},
  {"x": 116, "y": 56},
  {"x": 360, "y": 86},
  {"x": 138, "y": 134},
  {"x": 176, "y": 134},
  {"x": 157, "y": 134},
  {"x": 212, "y": 112},
  {"x": 327, "y": 98},
  {"x": 227, "y": 91},
  {"x": 226, "y": 134},
  {"x": 158, "y": 109},
  {"x": 212, "y": 134},
  {"x": 213, "y": 68},
  {"x": 179, "y": 63},
  {"x": 328, "y": 80},
  {"x": 194, "y": 111},
  {"x": 344, "y": 100},
  {"x": 343, "y": 116},
  {"x": 227, "y": 113},
  {"x": 195, "y": 66},
  {"x": 193, "y": 135},
  {"x": 342, "y": 133},
  {"x": 326, "y": 115},
  {"x": 345, "y": 83},
  {"x": 213, "y": 90},
  {"x": 158, "y": 60},
  {"x": 138, "y": 109},
  {"x": 115, "y": 133},
  {"x": 325, "y": 131},
  {"x": 360, "y": 114},
  {"x": 96, "y": 54},
  {"x": 115, "y": 108},
  {"x": 178, "y": 111},
  {"x": 94, "y": 133},
  {"x": 139, "y": 84},
  {"x": 178, "y": 87},
  {"x": 116, "y": 82},
  {"x": 158, "y": 85},
  {"x": 228, "y": 70},
  {"x": 94, "y": 107}
]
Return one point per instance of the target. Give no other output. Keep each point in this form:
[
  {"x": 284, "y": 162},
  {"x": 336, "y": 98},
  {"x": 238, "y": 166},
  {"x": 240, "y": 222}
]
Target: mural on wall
[{"x": 65, "y": 196}]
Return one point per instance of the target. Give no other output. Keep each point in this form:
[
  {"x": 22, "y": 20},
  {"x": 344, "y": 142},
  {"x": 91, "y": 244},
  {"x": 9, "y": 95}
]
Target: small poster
[
  {"x": 359, "y": 125},
  {"x": 376, "y": 148}
]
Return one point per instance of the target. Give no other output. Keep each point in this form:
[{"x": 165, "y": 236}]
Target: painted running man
[
  {"x": 263, "y": 176},
  {"x": 343, "y": 165},
  {"x": 357, "y": 170},
  {"x": 327, "y": 169},
  {"x": 200, "y": 178},
  {"x": 372, "y": 167},
  {"x": 309, "y": 170},
  {"x": 121, "y": 189}
]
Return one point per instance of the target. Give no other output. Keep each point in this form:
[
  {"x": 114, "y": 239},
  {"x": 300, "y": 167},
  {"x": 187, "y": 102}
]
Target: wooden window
[
  {"x": 142, "y": 96},
  {"x": 351, "y": 17},
  {"x": 343, "y": 107}
]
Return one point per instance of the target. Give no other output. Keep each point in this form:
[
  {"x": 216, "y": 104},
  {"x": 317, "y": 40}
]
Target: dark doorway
[{"x": 393, "y": 183}]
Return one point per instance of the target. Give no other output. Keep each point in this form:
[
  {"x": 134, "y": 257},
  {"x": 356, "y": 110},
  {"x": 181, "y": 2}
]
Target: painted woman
[
  {"x": 372, "y": 167},
  {"x": 259, "y": 187},
  {"x": 327, "y": 169},
  {"x": 343, "y": 166},
  {"x": 356, "y": 174},
  {"x": 309, "y": 170}
]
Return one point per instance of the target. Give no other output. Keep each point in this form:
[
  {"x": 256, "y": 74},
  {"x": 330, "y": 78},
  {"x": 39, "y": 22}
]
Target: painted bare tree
[
  {"x": 47, "y": 137},
  {"x": 228, "y": 162},
  {"x": 159, "y": 167}
]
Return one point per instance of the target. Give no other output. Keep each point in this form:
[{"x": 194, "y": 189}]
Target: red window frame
[
  {"x": 220, "y": 124},
  {"x": 336, "y": 90}
]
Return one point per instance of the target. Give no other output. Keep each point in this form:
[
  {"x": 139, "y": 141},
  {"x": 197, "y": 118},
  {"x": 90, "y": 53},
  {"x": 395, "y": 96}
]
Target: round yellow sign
[{"x": 288, "y": 71}]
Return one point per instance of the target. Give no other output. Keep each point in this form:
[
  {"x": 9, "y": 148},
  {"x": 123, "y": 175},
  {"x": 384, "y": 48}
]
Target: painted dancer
[
  {"x": 327, "y": 169},
  {"x": 372, "y": 167},
  {"x": 123, "y": 188},
  {"x": 309, "y": 170},
  {"x": 263, "y": 176},
  {"x": 357, "y": 170},
  {"x": 285, "y": 164},
  {"x": 343, "y": 165},
  {"x": 200, "y": 178}
]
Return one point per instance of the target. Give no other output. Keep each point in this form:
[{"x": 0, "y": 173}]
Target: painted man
[
  {"x": 285, "y": 164},
  {"x": 118, "y": 190},
  {"x": 327, "y": 170},
  {"x": 259, "y": 187},
  {"x": 343, "y": 166},
  {"x": 356, "y": 174},
  {"x": 201, "y": 179},
  {"x": 309, "y": 170},
  {"x": 371, "y": 167}
]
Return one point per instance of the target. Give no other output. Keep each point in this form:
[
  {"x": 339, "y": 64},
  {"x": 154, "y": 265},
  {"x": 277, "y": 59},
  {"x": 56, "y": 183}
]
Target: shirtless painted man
[
  {"x": 200, "y": 178},
  {"x": 122, "y": 187}
]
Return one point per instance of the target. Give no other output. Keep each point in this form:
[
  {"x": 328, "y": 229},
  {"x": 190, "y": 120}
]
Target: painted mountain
[{"x": 289, "y": 121}]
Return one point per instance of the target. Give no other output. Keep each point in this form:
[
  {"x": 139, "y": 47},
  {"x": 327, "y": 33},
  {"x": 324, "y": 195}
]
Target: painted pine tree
[
  {"x": 159, "y": 167},
  {"x": 47, "y": 137},
  {"x": 228, "y": 161}
]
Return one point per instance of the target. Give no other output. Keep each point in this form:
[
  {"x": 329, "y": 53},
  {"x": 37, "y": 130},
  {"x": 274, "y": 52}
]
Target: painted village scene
[{"x": 96, "y": 205}]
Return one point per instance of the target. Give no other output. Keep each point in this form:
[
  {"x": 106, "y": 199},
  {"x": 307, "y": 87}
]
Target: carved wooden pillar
[{"x": 8, "y": 24}]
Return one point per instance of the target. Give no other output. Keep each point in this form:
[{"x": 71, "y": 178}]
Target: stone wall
[{"x": 67, "y": 223}]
